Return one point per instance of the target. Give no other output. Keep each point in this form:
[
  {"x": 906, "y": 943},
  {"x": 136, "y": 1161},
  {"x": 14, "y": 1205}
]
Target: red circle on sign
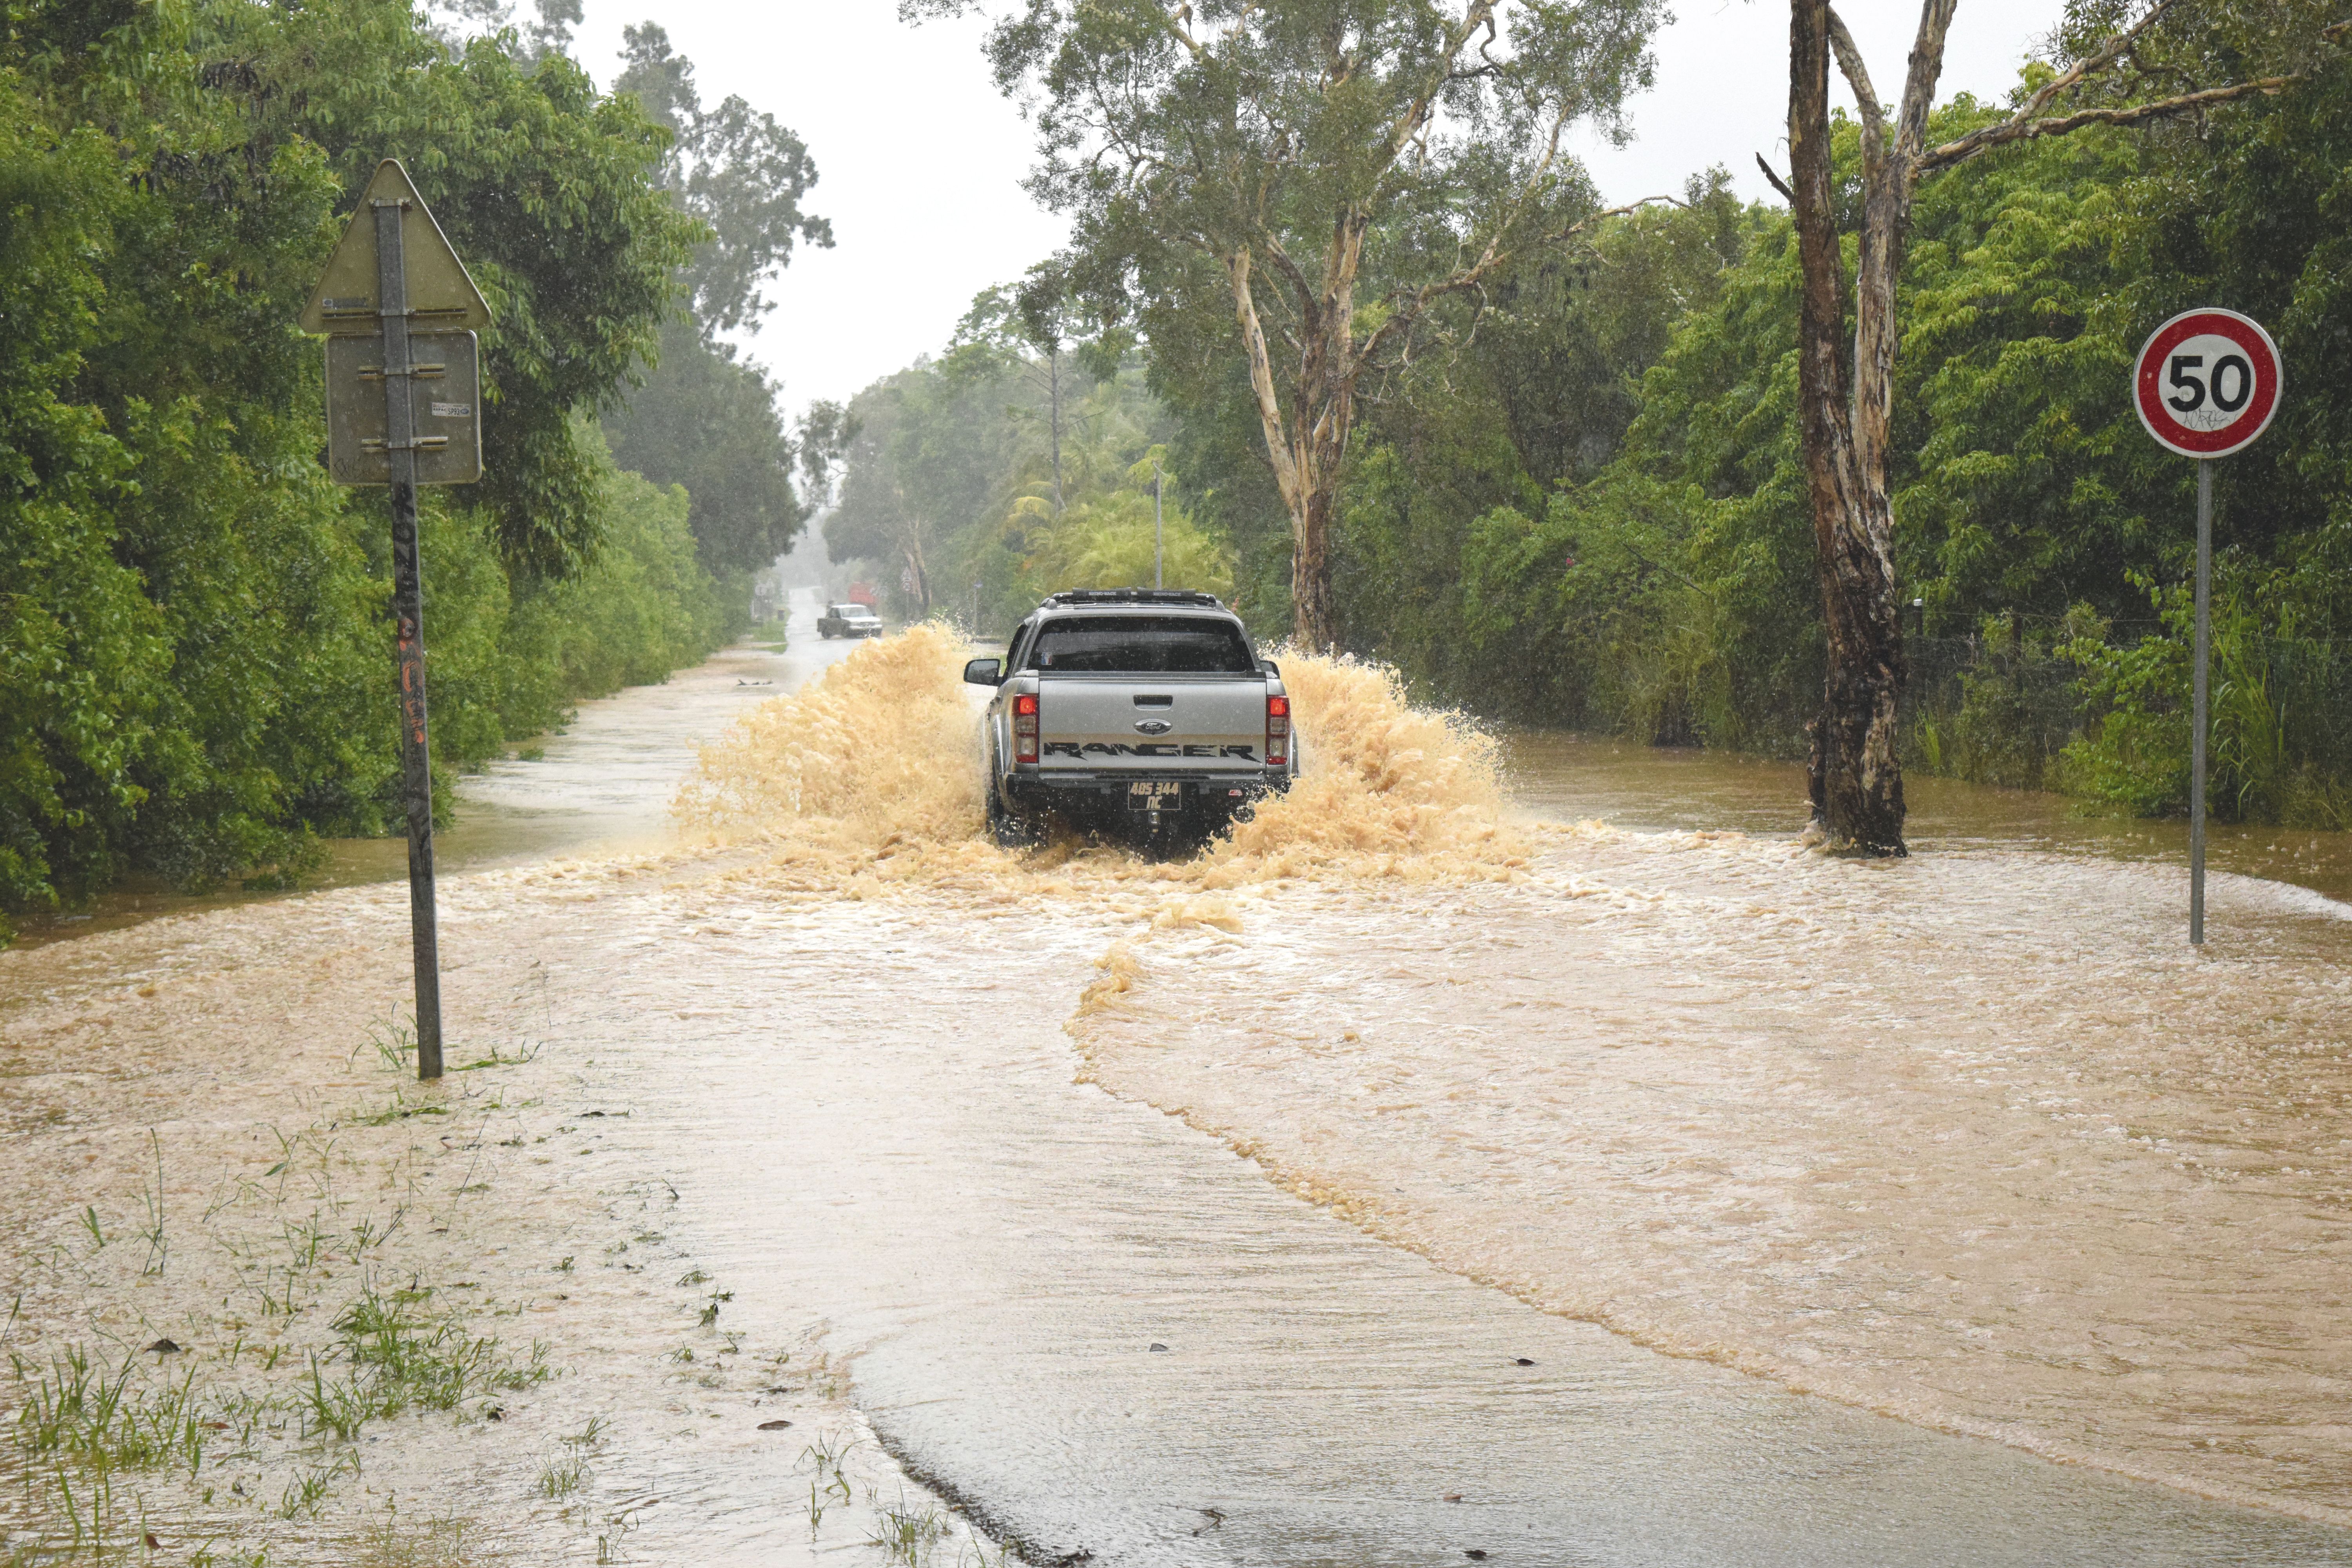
[{"x": 2186, "y": 394}]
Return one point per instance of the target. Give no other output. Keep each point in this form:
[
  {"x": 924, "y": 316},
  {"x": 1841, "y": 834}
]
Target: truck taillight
[
  {"x": 1024, "y": 728},
  {"x": 1277, "y": 731}
]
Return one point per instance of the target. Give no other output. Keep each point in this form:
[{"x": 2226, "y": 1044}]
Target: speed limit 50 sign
[{"x": 2207, "y": 383}]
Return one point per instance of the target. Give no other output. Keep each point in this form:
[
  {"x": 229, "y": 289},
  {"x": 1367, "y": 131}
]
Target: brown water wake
[
  {"x": 1966, "y": 1140},
  {"x": 867, "y": 779},
  {"x": 1973, "y": 1141}
]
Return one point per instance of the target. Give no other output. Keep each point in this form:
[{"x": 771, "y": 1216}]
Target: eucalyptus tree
[
  {"x": 2127, "y": 63},
  {"x": 1317, "y": 174},
  {"x": 734, "y": 167}
]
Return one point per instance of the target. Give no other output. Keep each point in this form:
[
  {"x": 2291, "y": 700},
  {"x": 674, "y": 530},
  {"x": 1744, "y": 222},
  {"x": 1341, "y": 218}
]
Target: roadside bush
[{"x": 195, "y": 663}]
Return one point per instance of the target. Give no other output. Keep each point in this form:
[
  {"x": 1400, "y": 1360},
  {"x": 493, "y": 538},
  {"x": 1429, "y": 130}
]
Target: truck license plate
[{"x": 1157, "y": 796}]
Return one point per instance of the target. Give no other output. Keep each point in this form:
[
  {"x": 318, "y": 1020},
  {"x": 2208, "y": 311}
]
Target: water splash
[
  {"x": 880, "y": 747},
  {"x": 1388, "y": 789},
  {"x": 869, "y": 778}
]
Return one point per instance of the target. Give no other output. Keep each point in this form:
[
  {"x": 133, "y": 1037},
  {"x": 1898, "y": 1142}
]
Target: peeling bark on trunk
[
  {"x": 1314, "y": 620},
  {"x": 1855, "y": 777},
  {"x": 1856, "y": 782},
  {"x": 1305, "y": 451}
]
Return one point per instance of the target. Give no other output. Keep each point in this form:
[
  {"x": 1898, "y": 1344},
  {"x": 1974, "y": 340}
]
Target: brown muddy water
[
  {"x": 1976, "y": 1220},
  {"x": 602, "y": 785}
]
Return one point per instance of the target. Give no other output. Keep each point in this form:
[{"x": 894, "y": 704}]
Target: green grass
[
  {"x": 395, "y": 1043},
  {"x": 562, "y": 1478},
  {"x": 78, "y": 1409},
  {"x": 392, "y": 1357},
  {"x": 908, "y": 1535},
  {"x": 501, "y": 1057}
]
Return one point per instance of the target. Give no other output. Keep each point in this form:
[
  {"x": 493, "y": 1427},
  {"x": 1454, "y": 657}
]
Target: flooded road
[
  {"x": 1970, "y": 1141},
  {"x": 601, "y": 784},
  {"x": 1115, "y": 1337}
]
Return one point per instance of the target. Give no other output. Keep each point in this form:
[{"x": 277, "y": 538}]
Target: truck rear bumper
[{"x": 1031, "y": 788}]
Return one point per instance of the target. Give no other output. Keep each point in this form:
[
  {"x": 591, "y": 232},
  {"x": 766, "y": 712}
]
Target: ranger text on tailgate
[{"x": 1140, "y": 712}]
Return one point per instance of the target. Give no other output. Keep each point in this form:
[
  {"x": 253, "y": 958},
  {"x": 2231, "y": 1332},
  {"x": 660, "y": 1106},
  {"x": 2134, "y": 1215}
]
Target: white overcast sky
[{"x": 920, "y": 161}]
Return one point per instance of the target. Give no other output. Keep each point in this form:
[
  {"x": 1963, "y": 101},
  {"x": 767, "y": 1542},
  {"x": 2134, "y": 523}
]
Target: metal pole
[
  {"x": 1157, "y": 578},
  {"x": 408, "y": 617},
  {"x": 2198, "y": 716}
]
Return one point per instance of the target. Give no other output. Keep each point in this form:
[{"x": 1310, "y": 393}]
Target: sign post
[
  {"x": 412, "y": 417},
  {"x": 2206, "y": 385}
]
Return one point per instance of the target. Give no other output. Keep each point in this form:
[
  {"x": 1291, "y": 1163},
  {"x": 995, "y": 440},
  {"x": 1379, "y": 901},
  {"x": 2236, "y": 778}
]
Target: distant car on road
[{"x": 848, "y": 620}]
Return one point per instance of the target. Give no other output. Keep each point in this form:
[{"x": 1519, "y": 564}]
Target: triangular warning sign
[{"x": 441, "y": 296}]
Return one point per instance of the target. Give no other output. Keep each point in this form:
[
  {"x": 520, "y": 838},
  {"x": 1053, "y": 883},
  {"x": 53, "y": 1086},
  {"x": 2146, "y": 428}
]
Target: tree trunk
[
  {"x": 1326, "y": 403},
  {"x": 1314, "y": 620},
  {"x": 922, "y": 578},
  {"x": 1854, "y": 779},
  {"x": 1305, "y": 451}
]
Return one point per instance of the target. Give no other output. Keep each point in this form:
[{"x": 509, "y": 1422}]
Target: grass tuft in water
[
  {"x": 76, "y": 1409},
  {"x": 562, "y": 1478},
  {"x": 394, "y": 1356},
  {"x": 395, "y": 1043},
  {"x": 158, "y": 1248},
  {"x": 908, "y": 1535}
]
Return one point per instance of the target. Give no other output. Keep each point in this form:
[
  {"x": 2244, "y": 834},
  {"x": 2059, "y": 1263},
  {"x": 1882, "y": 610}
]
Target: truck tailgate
[{"x": 1152, "y": 724}]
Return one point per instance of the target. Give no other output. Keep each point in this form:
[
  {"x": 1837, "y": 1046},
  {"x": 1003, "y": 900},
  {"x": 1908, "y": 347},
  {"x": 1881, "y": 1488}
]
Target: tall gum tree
[
  {"x": 1317, "y": 174},
  {"x": 2129, "y": 64}
]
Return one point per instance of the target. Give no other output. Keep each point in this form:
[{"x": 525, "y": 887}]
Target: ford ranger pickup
[{"x": 1140, "y": 713}]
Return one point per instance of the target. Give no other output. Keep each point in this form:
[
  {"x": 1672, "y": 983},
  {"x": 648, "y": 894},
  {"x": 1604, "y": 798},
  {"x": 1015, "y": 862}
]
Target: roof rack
[{"x": 1134, "y": 597}]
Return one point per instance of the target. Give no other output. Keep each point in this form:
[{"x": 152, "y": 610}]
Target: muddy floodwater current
[{"x": 1532, "y": 1150}]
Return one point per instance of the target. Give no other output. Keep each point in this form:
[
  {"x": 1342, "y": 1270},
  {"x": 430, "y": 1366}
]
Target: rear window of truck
[{"x": 1140, "y": 645}]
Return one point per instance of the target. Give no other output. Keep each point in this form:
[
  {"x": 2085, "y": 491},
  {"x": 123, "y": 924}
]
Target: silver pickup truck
[{"x": 1140, "y": 712}]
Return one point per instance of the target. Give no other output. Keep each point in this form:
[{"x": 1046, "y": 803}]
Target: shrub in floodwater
[{"x": 2280, "y": 744}]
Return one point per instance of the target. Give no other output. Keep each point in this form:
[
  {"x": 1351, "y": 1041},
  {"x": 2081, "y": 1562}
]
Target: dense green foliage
[
  {"x": 195, "y": 665},
  {"x": 1592, "y": 512},
  {"x": 1018, "y": 472}
]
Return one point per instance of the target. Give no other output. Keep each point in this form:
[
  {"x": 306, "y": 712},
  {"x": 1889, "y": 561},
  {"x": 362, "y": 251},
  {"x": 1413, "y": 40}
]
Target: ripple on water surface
[
  {"x": 1973, "y": 1139},
  {"x": 1967, "y": 1139}
]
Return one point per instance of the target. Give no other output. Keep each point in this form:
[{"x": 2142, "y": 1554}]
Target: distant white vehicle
[{"x": 849, "y": 620}]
